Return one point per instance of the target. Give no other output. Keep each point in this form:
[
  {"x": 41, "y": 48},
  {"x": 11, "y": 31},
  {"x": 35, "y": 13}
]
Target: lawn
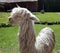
[
  {"x": 3, "y": 17},
  {"x": 9, "y": 37}
]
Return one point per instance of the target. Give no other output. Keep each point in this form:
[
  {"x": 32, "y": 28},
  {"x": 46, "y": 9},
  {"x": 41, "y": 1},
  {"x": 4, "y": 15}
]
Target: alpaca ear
[
  {"x": 17, "y": 5},
  {"x": 33, "y": 17}
]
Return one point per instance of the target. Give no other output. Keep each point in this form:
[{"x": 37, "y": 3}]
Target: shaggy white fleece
[{"x": 45, "y": 41}]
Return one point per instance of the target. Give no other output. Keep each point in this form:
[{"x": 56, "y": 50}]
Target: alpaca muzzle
[{"x": 10, "y": 20}]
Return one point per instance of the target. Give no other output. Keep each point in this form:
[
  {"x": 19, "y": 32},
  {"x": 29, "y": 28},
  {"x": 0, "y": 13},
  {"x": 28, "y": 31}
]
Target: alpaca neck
[{"x": 27, "y": 37}]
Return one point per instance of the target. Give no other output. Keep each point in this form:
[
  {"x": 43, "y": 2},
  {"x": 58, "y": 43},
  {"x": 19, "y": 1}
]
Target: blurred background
[{"x": 32, "y": 5}]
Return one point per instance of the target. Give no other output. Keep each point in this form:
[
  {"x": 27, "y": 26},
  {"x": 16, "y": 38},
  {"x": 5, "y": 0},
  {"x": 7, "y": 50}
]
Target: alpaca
[{"x": 28, "y": 43}]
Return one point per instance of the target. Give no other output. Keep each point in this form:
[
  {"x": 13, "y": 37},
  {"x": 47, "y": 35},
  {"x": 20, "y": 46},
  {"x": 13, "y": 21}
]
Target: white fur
[
  {"x": 45, "y": 41},
  {"x": 23, "y": 12}
]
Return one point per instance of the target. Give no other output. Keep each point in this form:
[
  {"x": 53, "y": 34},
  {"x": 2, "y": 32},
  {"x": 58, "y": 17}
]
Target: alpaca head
[{"x": 19, "y": 15}]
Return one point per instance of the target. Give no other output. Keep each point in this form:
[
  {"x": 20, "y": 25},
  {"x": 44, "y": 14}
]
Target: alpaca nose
[{"x": 10, "y": 19}]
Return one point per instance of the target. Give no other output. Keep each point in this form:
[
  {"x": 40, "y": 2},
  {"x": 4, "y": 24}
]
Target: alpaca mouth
[{"x": 11, "y": 22}]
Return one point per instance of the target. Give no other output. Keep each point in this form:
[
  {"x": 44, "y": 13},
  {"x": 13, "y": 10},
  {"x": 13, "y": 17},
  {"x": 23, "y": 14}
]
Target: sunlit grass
[
  {"x": 4, "y": 17},
  {"x": 9, "y": 37},
  {"x": 49, "y": 16}
]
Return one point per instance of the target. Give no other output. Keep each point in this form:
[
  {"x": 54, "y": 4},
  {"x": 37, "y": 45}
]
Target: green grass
[
  {"x": 4, "y": 17},
  {"x": 48, "y": 16},
  {"x": 9, "y": 37}
]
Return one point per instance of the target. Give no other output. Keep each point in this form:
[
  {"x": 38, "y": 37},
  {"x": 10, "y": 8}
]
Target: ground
[{"x": 9, "y": 37}]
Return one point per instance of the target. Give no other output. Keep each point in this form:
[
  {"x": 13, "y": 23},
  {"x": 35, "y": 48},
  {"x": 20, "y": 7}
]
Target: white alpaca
[{"x": 45, "y": 41}]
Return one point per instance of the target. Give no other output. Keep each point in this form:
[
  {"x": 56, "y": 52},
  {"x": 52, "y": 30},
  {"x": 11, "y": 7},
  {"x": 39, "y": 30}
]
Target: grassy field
[
  {"x": 9, "y": 37},
  {"x": 4, "y": 17}
]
